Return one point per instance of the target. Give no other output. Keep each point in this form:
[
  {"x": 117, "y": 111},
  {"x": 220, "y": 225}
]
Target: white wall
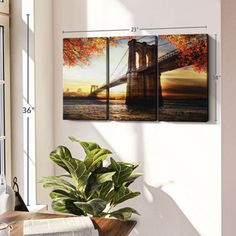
[
  {"x": 228, "y": 117},
  {"x": 181, "y": 186},
  {"x": 44, "y": 94},
  {"x": 41, "y": 72},
  {"x": 181, "y": 162}
]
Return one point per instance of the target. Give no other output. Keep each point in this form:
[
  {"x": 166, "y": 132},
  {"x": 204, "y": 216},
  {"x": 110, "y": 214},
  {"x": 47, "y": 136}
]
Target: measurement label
[
  {"x": 27, "y": 110},
  {"x": 134, "y": 29}
]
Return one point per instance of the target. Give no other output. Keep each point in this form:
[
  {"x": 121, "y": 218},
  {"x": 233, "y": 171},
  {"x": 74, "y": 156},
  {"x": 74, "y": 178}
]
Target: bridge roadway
[{"x": 167, "y": 62}]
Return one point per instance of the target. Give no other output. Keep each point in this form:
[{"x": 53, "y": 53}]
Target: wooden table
[{"x": 106, "y": 227}]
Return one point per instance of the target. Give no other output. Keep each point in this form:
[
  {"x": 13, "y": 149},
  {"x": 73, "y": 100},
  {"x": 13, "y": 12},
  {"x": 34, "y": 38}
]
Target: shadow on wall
[{"x": 160, "y": 215}]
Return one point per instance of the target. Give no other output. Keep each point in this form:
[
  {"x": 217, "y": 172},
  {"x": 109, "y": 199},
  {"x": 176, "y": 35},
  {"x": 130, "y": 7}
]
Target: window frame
[
  {"x": 4, "y": 6},
  {"x": 4, "y": 22}
]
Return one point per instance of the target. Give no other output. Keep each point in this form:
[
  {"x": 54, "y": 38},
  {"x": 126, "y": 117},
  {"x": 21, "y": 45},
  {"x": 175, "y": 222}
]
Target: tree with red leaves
[
  {"x": 78, "y": 51},
  {"x": 193, "y": 50}
]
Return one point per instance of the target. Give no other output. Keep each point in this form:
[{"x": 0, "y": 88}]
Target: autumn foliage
[
  {"x": 193, "y": 50},
  {"x": 79, "y": 51}
]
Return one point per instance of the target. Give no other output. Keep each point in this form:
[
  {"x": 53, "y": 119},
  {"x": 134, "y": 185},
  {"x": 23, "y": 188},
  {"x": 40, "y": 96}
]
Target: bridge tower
[
  {"x": 93, "y": 88},
  {"x": 142, "y": 74}
]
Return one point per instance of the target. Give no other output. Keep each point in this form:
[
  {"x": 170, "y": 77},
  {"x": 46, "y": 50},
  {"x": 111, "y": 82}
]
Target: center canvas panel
[
  {"x": 85, "y": 78},
  {"x": 133, "y": 78}
]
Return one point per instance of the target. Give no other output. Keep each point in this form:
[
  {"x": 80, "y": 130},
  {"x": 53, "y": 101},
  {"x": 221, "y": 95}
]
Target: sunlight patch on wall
[
  {"x": 28, "y": 8},
  {"x": 29, "y": 129},
  {"x": 94, "y": 19},
  {"x": 147, "y": 194}
]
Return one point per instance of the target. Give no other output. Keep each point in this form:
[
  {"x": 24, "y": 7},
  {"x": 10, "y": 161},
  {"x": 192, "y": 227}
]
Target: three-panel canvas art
[{"x": 136, "y": 78}]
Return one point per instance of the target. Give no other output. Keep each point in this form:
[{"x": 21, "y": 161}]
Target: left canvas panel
[{"x": 84, "y": 79}]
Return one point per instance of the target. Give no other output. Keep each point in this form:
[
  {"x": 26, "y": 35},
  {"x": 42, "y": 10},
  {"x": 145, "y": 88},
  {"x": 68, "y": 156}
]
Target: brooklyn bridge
[{"x": 143, "y": 74}]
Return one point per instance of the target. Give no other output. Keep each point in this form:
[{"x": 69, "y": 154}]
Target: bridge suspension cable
[
  {"x": 122, "y": 71},
  {"x": 123, "y": 56},
  {"x": 162, "y": 45},
  {"x": 147, "y": 41}
]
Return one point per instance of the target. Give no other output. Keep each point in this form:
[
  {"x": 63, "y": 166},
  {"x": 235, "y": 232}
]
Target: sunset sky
[
  {"x": 183, "y": 82},
  {"x": 95, "y": 73},
  {"x": 180, "y": 83},
  {"x": 83, "y": 76}
]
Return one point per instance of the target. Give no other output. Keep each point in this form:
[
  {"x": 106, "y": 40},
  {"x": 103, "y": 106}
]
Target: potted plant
[{"x": 90, "y": 187}]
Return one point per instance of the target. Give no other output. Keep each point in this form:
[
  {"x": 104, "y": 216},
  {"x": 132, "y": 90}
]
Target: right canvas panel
[{"x": 183, "y": 77}]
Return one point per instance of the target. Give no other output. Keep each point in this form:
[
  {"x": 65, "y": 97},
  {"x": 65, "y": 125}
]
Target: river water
[
  {"x": 172, "y": 110},
  {"x": 195, "y": 110},
  {"x": 85, "y": 109}
]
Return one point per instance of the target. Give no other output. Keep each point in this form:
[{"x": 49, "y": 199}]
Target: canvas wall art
[
  {"x": 183, "y": 71},
  {"x": 133, "y": 78},
  {"x": 84, "y": 73},
  {"x": 136, "y": 78}
]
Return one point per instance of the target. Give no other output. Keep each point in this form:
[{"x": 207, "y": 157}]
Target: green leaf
[
  {"x": 76, "y": 168},
  {"x": 60, "y": 205},
  {"x": 123, "y": 172},
  {"x": 87, "y": 146},
  {"x": 124, "y": 213},
  {"x": 101, "y": 178},
  {"x": 104, "y": 190},
  {"x": 57, "y": 182},
  {"x": 95, "y": 183},
  {"x": 94, "y": 157},
  {"x": 61, "y": 194},
  {"x": 110, "y": 196},
  {"x": 59, "y": 155},
  {"x": 78, "y": 172},
  {"x": 132, "y": 165},
  {"x": 47, "y": 178},
  {"x": 132, "y": 178},
  {"x": 66, "y": 206},
  {"x": 124, "y": 194},
  {"x": 93, "y": 207},
  {"x": 91, "y": 192},
  {"x": 91, "y": 185}
]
